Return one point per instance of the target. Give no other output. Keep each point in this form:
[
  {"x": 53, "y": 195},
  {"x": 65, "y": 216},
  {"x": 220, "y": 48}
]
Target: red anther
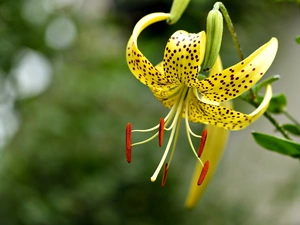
[
  {"x": 202, "y": 143},
  {"x": 128, "y": 142},
  {"x": 161, "y": 131},
  {"x": 165, "y": 174},
  {"x": 203, "y": 173}
]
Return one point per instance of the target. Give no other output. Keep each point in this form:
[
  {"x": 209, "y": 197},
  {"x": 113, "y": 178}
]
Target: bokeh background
[{"x": 67, "y": 95}]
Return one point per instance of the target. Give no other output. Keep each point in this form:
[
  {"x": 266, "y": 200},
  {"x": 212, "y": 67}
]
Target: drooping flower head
[{"x": 174, "y": 82}]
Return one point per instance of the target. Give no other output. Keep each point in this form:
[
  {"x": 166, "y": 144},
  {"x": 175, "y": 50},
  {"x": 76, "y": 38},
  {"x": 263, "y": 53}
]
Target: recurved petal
[
  {"x": 213, "y": 150},
  {"x": 139, "y": 65},
  {"x": 227, "y": 118},
  {"x": 235, "y": 80},
  {"x": 183, "y": 56},
  {"x": 214, "y": 146}
]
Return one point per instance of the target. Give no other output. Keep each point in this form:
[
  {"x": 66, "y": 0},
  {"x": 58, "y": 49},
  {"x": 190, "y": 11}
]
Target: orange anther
[
  {"x": 202, "y": 143},
  {"x": 203, "y": 173},
  {"x": 161, "y": 131},
  {"x": 128, "y": 142},
  {"x": 165, "y": 174}
]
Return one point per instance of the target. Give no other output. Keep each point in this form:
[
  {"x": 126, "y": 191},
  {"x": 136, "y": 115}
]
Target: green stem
[
  {"x": 286, "y": 113},
  {"x": 271, "y": 119},
  {"x": 276, "y": 124},
  {"x": 220, "y": 5}
]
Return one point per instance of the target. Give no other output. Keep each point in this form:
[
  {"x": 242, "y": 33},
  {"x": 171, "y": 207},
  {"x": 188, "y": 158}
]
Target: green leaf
[
  {"x": 277, "y": 104},
  {"x": 265, "y": 82},
  {"x": 298, "y": 39},
  {"x": 293, "y": 129},
  {"x": 276, "y": 144}
]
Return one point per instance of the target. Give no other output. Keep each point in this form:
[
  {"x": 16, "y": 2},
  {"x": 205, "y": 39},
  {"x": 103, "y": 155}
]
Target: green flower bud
[
  {"x": 178, "y": 7},
  {"x": 214, "y": 32}
]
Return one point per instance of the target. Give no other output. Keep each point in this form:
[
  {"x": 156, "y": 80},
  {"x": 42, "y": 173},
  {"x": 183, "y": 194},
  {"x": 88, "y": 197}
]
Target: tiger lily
[{"x": 174, "y": 82}]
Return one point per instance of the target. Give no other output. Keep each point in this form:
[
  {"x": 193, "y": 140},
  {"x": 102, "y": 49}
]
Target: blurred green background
[{"x": 67, "y": 95}]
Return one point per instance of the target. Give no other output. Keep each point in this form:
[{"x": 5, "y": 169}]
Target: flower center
[{"x": 172, "y": 123}]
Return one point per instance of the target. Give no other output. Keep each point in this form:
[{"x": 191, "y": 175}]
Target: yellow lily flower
[
  {"x": 212, "y": 152},
  {"x": 175, "y": 83}
]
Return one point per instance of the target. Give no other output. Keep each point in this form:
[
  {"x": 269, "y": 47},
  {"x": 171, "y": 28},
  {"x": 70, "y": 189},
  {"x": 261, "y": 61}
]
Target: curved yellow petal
[
  {"x": 139, "y": 65},
  {"x": 217, "y": 67},
  {"x": 183, "y": 56},
  {"x": 215, "y": 144},
  {"x": 235, "y": 80},
  {"x": 220, "y": 116},
  {"x": 213, "y": 150}
]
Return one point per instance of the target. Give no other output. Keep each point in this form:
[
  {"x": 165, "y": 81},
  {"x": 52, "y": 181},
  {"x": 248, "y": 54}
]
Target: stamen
[
  {"x": 174, "y": 134},
  {"x": 203, "y": 173},
  {"x": 128, "y": 142},
  {"x": 145, "y": 141},
  {"x": 202, "y": 143},
  {"x": 161, "y": 131},
  {"x": 189, "y": 136},
  {"x": 165, "y": 174}
]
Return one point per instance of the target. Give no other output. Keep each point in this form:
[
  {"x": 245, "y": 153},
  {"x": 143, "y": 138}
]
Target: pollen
[
  {"x": 203, "y": 173},
  {"x": 161, "y": 131},
  {"x": 128, "y": 142},
  {"x": 165, "y": 174},
  {"x": 202, "y": 143}
]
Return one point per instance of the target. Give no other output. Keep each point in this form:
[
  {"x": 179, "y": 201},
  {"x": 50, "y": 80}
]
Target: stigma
[{"x": 171, "y": 123}]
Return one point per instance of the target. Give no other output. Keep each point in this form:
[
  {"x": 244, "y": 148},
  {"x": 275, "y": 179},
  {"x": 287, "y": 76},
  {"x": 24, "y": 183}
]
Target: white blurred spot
[
  {"x": 60, "y": 33},
  {"x": 33, "y": 11},
  {"x": 9, "y": 123},
  {"x": 53, "y": 5},
  {"x": 32, "y": 74}
]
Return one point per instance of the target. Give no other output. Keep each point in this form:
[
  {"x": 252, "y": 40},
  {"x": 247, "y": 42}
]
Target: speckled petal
[
  {"x": 220, "y": 116},
  {"x": 235, "y": 80},
  {"x": 183, "y": 56},
  {"x": 139, "y": 65},
  {"x": 213, "y": 150},
  {"x": 166, "y": 96}
]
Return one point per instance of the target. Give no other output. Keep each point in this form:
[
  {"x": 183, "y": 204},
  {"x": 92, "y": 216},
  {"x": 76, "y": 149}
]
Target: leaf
[
  {"x": 265, "y": 82},
  {"x": 276, "y": 144},
  {"x": 293, "y": 129},
  {"x": 277, "y": 104},
  {"x": 298, "y": 39}
]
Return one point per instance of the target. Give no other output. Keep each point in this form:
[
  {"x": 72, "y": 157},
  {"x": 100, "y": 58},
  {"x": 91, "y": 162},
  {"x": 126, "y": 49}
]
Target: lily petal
[
  {"x": 166, "y": 96},
  {"x": 220, "y": 116},
  {"x": 212, "y": 152},
  {"x": 233, "y": 81},
  {"x": 214, "y": 146},
  {"x": 183, "y": 56},
  {"x": 139, "y": 65}
]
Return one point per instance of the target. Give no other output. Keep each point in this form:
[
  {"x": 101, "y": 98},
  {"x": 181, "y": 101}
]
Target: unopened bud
[{"x": 214, "y": 32}]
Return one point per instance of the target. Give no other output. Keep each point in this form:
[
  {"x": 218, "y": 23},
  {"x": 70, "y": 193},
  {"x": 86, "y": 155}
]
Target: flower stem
[
  {"x": 276, "y": 124},
  {"x": 286, "y": 113},
  {"x": 220, "y": 5},
  {"x": 271, "y": 119}
]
